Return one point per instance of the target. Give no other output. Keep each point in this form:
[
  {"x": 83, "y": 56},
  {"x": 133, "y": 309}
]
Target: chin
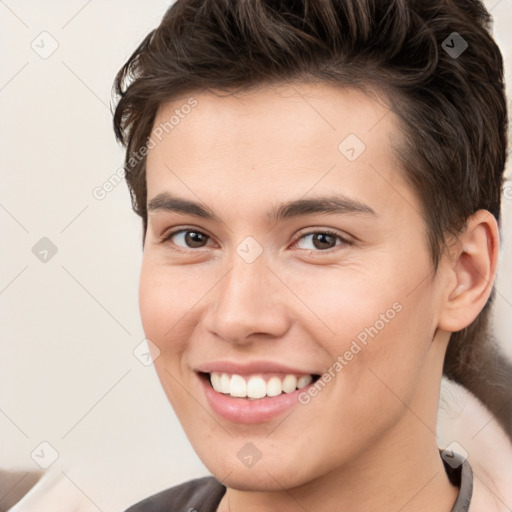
[
  {"x": 266, "y": 476},
  {"x": 258, "y": 481}
]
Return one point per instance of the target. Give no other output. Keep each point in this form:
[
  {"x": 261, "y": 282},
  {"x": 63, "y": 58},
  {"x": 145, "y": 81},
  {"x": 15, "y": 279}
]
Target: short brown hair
[{"x": 435, "y": 61}]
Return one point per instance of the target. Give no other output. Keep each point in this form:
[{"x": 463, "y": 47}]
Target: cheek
[
  {"x": 348, "y": 302},
  {"x": 164, "y": 299},
  {"x": 378, "y": 319}
]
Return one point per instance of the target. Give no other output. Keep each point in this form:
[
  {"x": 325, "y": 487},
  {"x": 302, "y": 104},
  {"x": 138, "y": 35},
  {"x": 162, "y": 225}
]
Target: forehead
[
  {"x": 286, "y": 135},
  {"x": 302, "y": 114}
]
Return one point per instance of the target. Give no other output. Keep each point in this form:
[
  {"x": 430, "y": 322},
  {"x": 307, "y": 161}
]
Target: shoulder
[
  {"x": 466, "y": 425},
  {"x": 14, "y": 485},
  {"x": 200, "y": 495}
]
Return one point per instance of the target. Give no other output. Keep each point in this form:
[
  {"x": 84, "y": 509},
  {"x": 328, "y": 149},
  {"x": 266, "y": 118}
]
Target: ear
[{"x": 470, "y": 270}]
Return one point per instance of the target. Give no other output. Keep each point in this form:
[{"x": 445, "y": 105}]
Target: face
[{"x": 305, "y": 255}]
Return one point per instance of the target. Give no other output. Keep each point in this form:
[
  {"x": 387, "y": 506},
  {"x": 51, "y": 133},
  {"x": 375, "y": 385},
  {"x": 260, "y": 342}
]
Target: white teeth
[
  {"x": 304, "y": 381},
  {"x": 224, "y": 383},
  {"x": 289, "y": 383},
  {"x": 256, "y": 387},
  {"x": 274, "y": 387},
  {"x": 237, "y": 386},
  {"x": 215, "y": 380}
]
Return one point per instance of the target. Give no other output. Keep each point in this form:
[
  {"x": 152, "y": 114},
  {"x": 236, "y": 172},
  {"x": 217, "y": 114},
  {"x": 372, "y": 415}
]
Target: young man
[{"x": 319, "y": 184}]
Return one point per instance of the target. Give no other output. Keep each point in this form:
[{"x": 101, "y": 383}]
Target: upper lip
[{"x": 250, "y": 367}]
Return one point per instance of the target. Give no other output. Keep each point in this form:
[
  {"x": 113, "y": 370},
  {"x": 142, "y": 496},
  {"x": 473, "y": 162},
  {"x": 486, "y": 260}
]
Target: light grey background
[{"x": 69, "y": 326}]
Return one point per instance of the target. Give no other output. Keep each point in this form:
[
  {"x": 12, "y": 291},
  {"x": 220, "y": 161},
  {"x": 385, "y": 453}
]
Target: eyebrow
[{"x": 333, "y": 204}]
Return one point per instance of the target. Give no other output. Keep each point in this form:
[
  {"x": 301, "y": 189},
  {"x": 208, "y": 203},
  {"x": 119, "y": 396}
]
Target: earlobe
[{"x": 472, "y": 270}]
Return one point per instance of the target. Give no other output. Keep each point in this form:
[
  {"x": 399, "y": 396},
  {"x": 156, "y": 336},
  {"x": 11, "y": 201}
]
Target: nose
[{"x": 249, "y": 303}]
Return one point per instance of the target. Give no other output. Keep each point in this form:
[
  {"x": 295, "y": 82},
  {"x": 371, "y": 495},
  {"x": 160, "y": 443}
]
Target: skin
[{"x": 367, "y": 440}]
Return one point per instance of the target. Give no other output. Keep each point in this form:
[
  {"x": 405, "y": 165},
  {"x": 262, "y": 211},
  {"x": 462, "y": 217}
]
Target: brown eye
[
  {"x": 321, "y": 240},
  {"x": 187, "y": 238},
  {"x": 195, "y": 239}
]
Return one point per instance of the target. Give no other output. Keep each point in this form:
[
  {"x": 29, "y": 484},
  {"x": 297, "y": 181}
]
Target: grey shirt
[{"x": 204, "y": 494}]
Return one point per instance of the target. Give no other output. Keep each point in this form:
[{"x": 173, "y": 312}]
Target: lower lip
[{"x": 243, "y": 410}]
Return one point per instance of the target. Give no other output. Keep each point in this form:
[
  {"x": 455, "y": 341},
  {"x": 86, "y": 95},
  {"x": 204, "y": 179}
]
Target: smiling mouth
[{"x": 256, "y": 386}]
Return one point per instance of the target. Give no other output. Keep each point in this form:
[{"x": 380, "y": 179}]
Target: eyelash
[{"x": 167, "y": 237}]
